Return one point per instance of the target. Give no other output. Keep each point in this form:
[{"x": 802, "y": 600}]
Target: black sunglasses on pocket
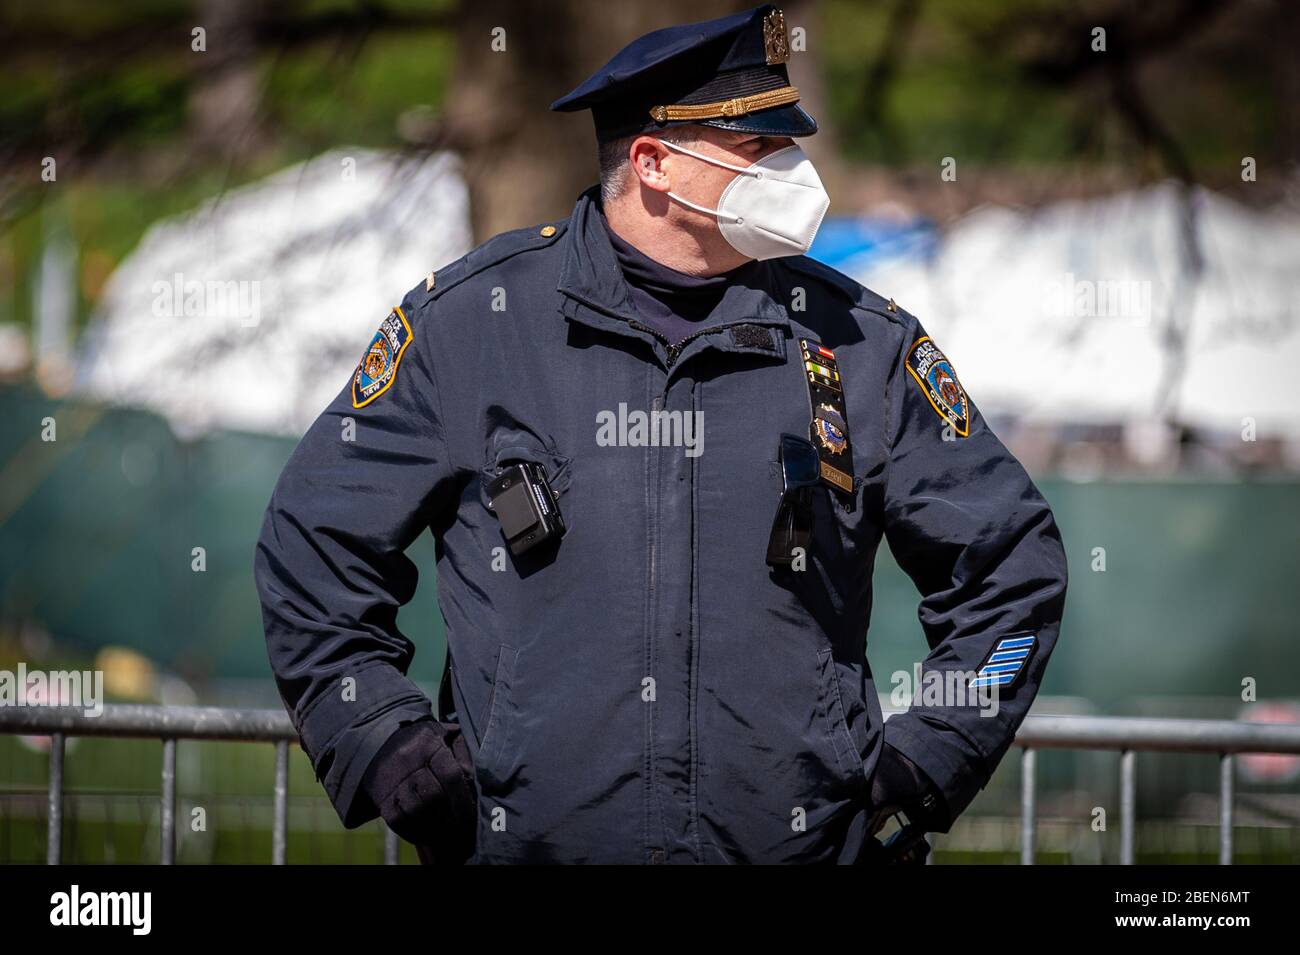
[{"x": 792, "y": 527}]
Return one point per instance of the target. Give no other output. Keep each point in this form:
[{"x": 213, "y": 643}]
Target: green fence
[{"x": 98, "y": 530}]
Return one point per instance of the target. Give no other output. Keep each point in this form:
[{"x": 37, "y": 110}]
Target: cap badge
[{"x": 776, "y": 39}]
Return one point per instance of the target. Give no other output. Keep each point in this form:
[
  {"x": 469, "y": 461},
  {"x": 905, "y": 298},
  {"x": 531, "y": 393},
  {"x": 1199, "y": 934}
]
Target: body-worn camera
[{"x": 525, "y": 505}]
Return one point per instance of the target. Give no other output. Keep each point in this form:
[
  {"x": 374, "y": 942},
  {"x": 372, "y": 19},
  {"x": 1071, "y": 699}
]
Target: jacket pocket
[
  {"x": 496, "y": 733},
  {"x": 838, "y": 735},
  {"x": 557, "y": 466}
]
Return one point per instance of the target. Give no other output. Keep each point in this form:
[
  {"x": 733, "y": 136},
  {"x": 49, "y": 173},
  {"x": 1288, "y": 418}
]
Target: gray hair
[{"x": 614, "y": 166}]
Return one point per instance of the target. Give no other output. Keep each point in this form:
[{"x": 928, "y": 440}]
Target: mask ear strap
[
  {"x": 745, "y": 170},
  {"x": 705, "y": 209}
]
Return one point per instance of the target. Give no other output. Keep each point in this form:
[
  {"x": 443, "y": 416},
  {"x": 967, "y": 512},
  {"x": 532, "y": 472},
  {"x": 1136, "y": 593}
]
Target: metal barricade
[{"x": 1125, "y": 735}]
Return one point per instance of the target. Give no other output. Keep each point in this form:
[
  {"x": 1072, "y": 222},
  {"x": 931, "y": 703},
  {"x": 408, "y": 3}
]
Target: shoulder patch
[
  {"x": 938, "y": 382},
  {"x": 378, "y": 367}
]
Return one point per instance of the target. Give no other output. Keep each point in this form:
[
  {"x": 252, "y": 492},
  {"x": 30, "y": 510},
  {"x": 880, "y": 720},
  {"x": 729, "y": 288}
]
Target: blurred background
[{"x": 207, "y": 206}]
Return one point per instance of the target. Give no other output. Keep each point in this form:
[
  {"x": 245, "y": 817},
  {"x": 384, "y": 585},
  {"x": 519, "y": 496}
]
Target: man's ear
[{"x": 646, "y": 154}]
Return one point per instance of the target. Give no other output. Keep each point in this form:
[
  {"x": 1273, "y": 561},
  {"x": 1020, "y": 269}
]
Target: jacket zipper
[
  {"x": 674, "y": 350},
  {"x": 656, "y": 814}
]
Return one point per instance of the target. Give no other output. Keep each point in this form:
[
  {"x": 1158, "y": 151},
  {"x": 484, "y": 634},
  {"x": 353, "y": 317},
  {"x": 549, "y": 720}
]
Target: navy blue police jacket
[{"x": 650, "y": 690}]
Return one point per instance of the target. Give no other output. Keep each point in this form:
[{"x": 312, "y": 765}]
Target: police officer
[{"x": 657, "y": 448}]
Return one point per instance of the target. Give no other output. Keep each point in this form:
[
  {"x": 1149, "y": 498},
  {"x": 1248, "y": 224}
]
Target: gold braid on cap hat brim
[{"x": 726, "y": 108}]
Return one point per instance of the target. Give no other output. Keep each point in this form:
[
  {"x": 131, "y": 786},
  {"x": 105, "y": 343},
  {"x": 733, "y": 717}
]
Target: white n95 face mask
[{"x": 772, "y": 208}]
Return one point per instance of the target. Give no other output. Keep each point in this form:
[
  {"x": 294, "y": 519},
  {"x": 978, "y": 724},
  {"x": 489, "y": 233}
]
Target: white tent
[
  {"x": 1062, "y": 313},
  {"x": 252, "y": 312},
  {"x": 1058, "y": 314}
]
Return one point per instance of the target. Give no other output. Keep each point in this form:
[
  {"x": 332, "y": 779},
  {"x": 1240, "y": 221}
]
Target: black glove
[
  {"x": 899, "y": 785},
  {"x": 422, "y": 783}
]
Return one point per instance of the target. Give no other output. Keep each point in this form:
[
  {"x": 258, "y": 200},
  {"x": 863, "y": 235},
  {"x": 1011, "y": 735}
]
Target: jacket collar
[
  {"x": 590, "y": 272},
  {"x": 592, "y": 282}
]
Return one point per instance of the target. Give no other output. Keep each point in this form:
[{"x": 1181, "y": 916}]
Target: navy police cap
[{"x": 729, "y": 73}]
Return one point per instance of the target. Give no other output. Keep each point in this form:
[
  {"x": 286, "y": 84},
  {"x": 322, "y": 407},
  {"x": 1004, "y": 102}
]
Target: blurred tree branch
[
  {"x": 524, "y": 164},
  {"x": 155, "y": 31},
  {"x": 79, "y": 119},
  {"x": 1055, "y": 51},
  {"x": 903, "y": 17}
]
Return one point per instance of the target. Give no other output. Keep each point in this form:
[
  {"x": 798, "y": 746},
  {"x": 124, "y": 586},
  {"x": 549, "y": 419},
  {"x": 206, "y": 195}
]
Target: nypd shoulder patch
[
  {"x": 938, "y": 381},
  {"x": 1005, "y": 661},
  {"x": 378, "y": 366}
]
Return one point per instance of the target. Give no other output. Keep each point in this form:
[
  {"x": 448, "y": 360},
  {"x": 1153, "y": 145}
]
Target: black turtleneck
[{"x": 674, "y": 304}]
